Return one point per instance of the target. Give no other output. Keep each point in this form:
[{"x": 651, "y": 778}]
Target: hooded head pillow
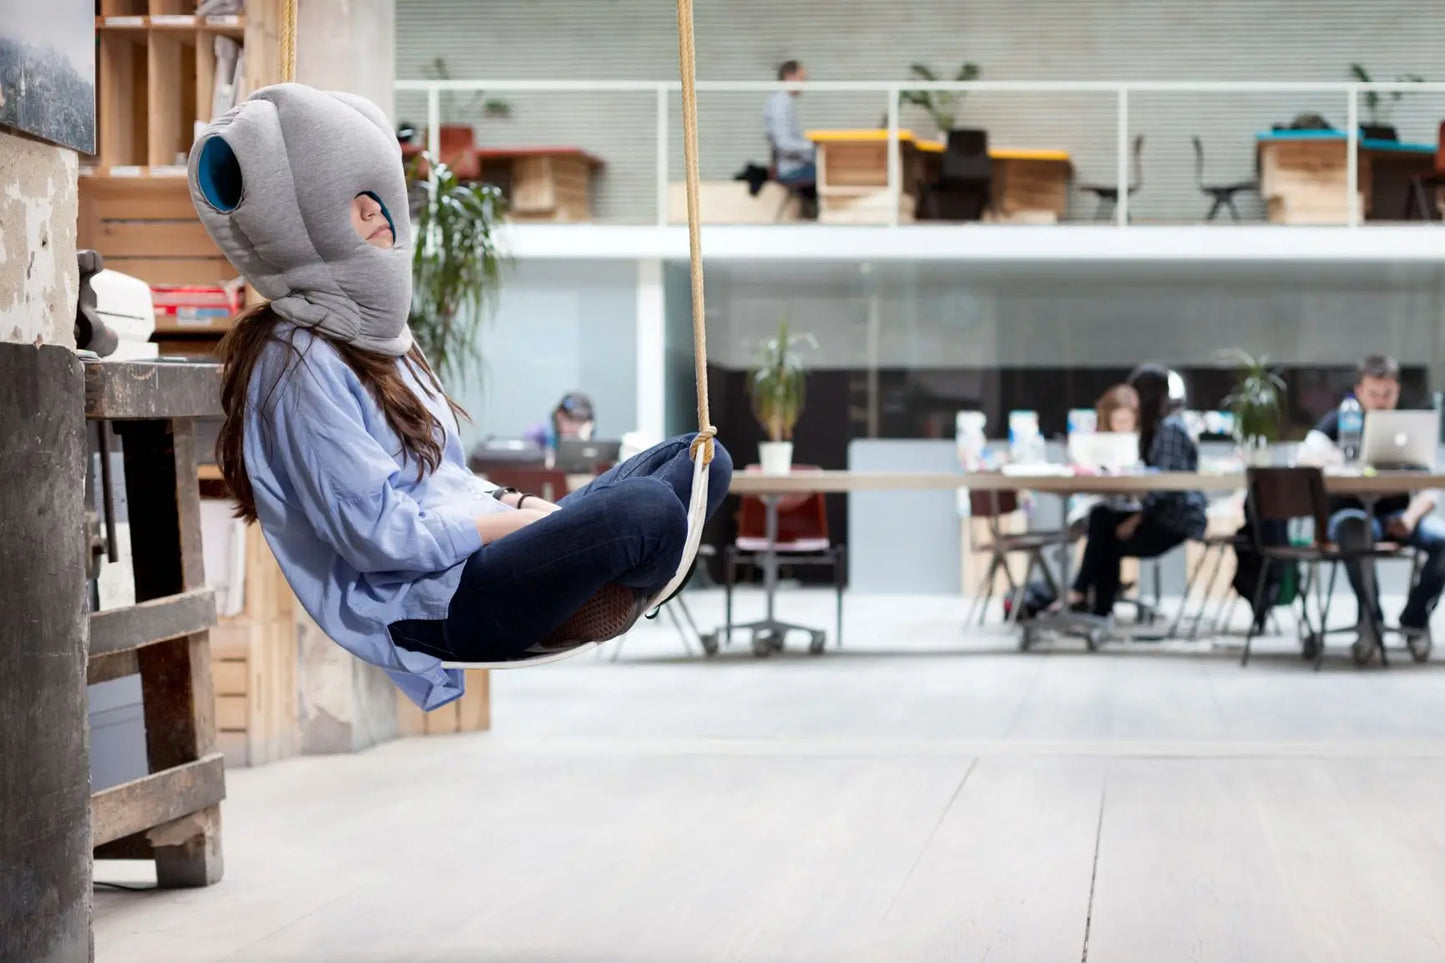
[{"x": 273, "y": 180}]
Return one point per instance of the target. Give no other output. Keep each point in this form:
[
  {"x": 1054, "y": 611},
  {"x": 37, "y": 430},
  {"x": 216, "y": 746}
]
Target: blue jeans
[
  {"x": 807, "y": 174},
  {"x": 628, "y": 526},
  {"x": 1352, "y": 528}
]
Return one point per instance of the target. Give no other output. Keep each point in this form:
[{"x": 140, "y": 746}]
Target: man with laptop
[{"x": 1392, "y": 439}]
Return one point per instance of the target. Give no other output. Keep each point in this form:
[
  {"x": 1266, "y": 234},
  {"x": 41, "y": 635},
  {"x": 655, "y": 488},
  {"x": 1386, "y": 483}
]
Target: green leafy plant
[
  {"x": 456, "y": 264},
  {"x": 777, "y": 383},
  {"x": 456, "y": 105},
  {"x": 1256, "y": 398},
  {"x": 942, "y": 105},
  {"x": 1380, "y": 104}
]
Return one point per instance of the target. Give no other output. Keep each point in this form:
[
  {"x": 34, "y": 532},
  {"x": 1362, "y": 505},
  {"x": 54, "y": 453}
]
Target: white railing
[{"x": 1351, "y": 92}]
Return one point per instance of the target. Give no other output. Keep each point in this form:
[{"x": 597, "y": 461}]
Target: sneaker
[{"x": 1366, "y": 647}]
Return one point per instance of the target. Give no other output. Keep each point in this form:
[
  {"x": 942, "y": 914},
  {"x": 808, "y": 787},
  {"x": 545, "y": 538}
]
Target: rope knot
[{"x": 703, "y": 441}]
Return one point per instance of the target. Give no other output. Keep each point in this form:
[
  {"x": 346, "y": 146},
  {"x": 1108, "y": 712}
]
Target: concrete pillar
[
  {"x": 45, "y": 853},
  {"x": 348, "y": 45},
  {"x": 346, "y": 705}
]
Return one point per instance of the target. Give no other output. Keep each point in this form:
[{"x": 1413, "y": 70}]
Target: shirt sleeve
[
  {"x": 1171, "y": 450},
  {"x": 346, "y": 482}
]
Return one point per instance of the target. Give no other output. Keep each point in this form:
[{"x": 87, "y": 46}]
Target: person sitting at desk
[
  {"x": 572, "y": 418},
  {"x": 793, "y": 154},
  {"x": 1164, "y": 519},
  {"x": 1397, "y": 517},
  {"x": 1116, "y": 412}
]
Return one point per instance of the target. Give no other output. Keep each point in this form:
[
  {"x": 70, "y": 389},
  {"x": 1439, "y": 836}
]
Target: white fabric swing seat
[{"x": 616, "y": 619}]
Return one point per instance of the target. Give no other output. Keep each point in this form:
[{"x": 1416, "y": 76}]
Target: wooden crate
[
  {"x": 471, "y": 713},
  {"x": 551, "y": 187},
  {"x": 254, "y": 666},
  {"x": 867, "y": 208}
]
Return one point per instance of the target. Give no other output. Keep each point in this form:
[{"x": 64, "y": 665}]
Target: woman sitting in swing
[{"x": 339, "y": 439}]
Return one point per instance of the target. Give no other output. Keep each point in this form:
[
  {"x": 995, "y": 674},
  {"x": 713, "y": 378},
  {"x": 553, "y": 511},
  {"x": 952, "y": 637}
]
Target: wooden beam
[
  {"x": 135, "y": 846},
  {"x": 117, "y": 630},
  {"x": 162, "y": 797},
  {"x": 117, "y": 665},
  {"x": 152, "y": 390}
]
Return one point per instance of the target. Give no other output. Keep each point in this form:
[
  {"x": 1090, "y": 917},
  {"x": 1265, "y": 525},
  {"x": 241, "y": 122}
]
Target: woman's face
[
  {"x": 370, "y": 222},
  {"x": 1123, "y": 419}
]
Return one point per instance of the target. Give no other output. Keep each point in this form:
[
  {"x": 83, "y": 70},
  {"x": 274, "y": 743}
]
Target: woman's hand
[
  {"x": 501, "y": 524},
  {"x": 1129, "y": 526}
]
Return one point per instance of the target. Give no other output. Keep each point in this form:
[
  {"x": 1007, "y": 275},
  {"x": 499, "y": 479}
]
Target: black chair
[
  {"x": 1283, "y": 496},
  {"x": 1223, "y": 194},
  {"x": 994, "y": 506},
  {"x": 961, "y": 191},
  {"x": 804, "y": 192},
  {"x": 1108, "y": 194},
  {"x": 1417, "y": 201}
]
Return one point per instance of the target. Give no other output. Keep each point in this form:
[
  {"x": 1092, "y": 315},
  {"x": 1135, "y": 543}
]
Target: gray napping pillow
[{"x": 273, "y": 180}]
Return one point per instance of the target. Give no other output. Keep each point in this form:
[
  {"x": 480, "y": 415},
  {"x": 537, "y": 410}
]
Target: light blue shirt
[
  {"x": 362, "y": 541},
  {"x": 780, "y": 118}
]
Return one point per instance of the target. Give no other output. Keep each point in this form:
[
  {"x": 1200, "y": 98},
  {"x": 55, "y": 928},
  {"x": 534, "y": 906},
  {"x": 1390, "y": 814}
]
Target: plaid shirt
[{"x": 1174, "y": 450}]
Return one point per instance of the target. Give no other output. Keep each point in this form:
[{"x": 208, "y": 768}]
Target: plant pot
[
  {"x": 1379, "y": 132},
  {"x": 776, "y": 457}
]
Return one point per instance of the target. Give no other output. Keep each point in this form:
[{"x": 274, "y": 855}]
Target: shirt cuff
[{"x": 455, "y": 528}]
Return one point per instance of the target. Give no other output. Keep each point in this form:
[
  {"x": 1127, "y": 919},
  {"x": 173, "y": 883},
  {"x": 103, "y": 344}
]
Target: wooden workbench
[
  {"x": 172, "y": 815},
  {"x": 539, "y": 183},
  {"x": 1303, "y": 176},
  {"x": 1030, "y": 185}
]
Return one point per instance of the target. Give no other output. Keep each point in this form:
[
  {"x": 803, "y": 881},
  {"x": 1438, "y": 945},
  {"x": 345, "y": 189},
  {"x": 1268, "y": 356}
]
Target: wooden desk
[
  {"x": 756, "y": 483},
  {"x": 540, "y": 183},
  {"x": 1304, "y": 179},
  {"x": 853, "y": 177}
]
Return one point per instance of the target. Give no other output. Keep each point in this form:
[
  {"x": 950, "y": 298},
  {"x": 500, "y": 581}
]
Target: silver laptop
[{"x": 1400, "y": 439}]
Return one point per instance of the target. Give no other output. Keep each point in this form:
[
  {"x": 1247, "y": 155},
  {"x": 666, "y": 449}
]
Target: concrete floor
[{"x": 924, "y": 794}]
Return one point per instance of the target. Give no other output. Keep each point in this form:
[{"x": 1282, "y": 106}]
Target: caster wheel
[
  {"x": 1420, "y": 646},
  {"x": 817, "y": 643},
  {"x": 709, "y": 643},
  {"x": 1027, "y": 637},
  {"x": 1094, "y": 639},
  {"x": 1310, "y": 647},
  {"x": 765, "y": 645}
]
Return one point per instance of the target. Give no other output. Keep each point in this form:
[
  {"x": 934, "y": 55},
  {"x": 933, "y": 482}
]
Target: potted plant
[
  {"x": 942, "y": 105},
  {"x": 456, "y": 264},
  {"x": 1379, "y": 105},
  {"x": 776, "y": 387},
  {"x": 1256, "y": 404}
]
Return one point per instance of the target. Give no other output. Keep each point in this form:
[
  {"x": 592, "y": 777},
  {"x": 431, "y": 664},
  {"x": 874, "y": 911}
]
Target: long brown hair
[{"x": 406, "y": 413}]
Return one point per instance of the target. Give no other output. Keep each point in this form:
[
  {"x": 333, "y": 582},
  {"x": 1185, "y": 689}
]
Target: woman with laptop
[
  {"x": 1163, "y": 519},
  {"x": 1400, "y": 518}
]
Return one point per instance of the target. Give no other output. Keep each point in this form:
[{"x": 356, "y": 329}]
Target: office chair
[
  {"x": 804, "y": 192},
  {"x": 1288, "y": 495},
  {"x": 1417, "y": 201},
  {"x": 1223, "y": 194},
  {"x": 1108, "y": 194},
  {"x": 961, "y": 191}
]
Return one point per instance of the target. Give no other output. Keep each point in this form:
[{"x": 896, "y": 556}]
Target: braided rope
[
  {"x": 687, "y": 58},
  {"x": 288, "y": 41}
]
